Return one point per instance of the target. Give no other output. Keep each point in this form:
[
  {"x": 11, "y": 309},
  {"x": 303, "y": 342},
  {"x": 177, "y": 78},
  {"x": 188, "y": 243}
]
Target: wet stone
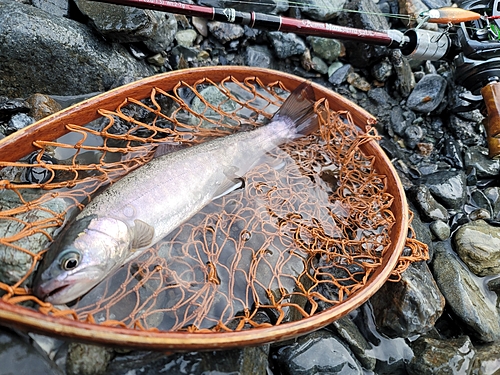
[
  {"x": 427, "y": 206},
  {"x": 365, "y": 16},
  {"x": 428, "y": 94},
  {"x": 358, "y": 82},
  {"x": 440, "y": 230},
  {"x": 326, "y": 48},
  {"x": 405, "y": 80},
  {"x": 321, "y": 10},
  {"x": 434, "y": 356},
  {"x": 452, "y": 152},
  {"x": 466, "y": 294},
  {"x": 422, "y": 231},
  {"x": 225, "y": 32},
  {"x": 20, "y": 121},
  {"x": 480, "y": 214},
  {"x": 42, "y": 106},
  {"x": 470, "y": 132},
  {"x": 410, "y": 306},
  {"x": 186, "y": 38},
  {"x": 15, "y": 264},
  {"x": 319, "y": 65},
  {"x": 129, "y": 24},
  {"x": 487, "y": 360},
  {"x": 448, "y": 187},
  {"x": 286, "y": 44},
  {"x": 12, "y": 106},
  {"x": 413, "y": 134},
  {"x": 247, "y": 361},
  {"x": 65, "y": 42},
  {"x": 258, "y": 56},
  {"x": 18, "y": 356},
  {"x": 478, "y": 245},
  {"x": 349, "y": 332},
  {"x": 382, "y": 71},
  {"x": 85, "y": 359},
  {"x": 59, "y": 8},
  {"x": 477, "y": 157},
  {"x": 307, "y": 356},
  {"x": 340, "y": 74}
]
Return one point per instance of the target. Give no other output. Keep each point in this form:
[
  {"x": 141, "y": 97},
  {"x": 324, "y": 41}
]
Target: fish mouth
[{"x": 50, "y": 294}]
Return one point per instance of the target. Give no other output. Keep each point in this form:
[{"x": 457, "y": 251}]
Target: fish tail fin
[{"x": 299, "y": 107}]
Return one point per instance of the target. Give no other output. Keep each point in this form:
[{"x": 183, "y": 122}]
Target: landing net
[{"x": 309, "y": 228}]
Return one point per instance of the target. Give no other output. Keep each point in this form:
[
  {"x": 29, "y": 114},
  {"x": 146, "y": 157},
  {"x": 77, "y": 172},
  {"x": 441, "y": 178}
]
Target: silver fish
[{"x": 148, "y": 203}]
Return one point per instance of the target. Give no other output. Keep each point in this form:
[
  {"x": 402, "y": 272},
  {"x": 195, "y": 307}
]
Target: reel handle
[{"x": 491, "y": 97}]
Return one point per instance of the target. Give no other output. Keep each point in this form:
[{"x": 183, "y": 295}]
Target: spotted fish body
[{"x": 147, "y": 204}]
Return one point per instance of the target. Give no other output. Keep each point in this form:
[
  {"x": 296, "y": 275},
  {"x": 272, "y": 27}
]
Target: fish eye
[{"x": 70, "y": 260}]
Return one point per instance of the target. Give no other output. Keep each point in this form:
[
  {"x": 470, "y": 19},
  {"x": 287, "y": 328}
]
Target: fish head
[{"x": 83, "y": 254}]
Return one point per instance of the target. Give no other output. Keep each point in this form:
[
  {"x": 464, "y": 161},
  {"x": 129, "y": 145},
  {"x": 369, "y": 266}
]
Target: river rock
[
  {"x": 440, "y": 230},
  {"x": 448, "y": 187},
  {"x": 307, "y": 356},
  {"x": 14, "y": 264},
  {"x": 19, "y": 121},
  {"x": 59, "y": 8},
  {"x": 478, "y": 245},
  {"x": 477, "y": 157},
  {"x": 258, "y": 56},
  {"x": 470, "y": 132},
  {"x": 9, "y": 107},
  {"x": 225, "y": 32},
  {"x": 465, "y": 294},
  {"x": 427, "y": 206},
  {"x": 186, "y": 38},
  {"x": 365, "y": 15},
  {"x": 428, "y": 93},
  {"x": 405, "y": 80},
  {"x": 124, "y": 24},
  {"x": 18, "y": 356},
  {"x": 286, "y": 44},
  {"x": 85, "y": 359},
  {"x": 327, "y": 48},
  {"x": 321, "y": 10},
  {"x": 487, "y": 360},
  {"x": 66, "y": 43},
  {"x": 247, "y": 361},
  {"x": 435, "y": 356},
  {"x": 339, "y": 75},
  {"x": 410, "y": 306},
  {"x": 382, "y": 71},
  {"x": 42, "y": 106},
  {"x": 349, "y": 332}
]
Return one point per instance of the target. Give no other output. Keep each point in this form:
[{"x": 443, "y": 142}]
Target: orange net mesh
[{"x": 308, "y": 229}]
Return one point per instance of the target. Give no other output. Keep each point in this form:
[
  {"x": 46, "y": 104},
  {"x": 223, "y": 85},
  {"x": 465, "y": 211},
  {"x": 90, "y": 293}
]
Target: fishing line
[{"x": 297, "y": 4}]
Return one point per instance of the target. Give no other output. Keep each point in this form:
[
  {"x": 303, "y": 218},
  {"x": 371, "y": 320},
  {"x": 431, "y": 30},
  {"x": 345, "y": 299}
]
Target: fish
[{"x": 144, "y": 206}]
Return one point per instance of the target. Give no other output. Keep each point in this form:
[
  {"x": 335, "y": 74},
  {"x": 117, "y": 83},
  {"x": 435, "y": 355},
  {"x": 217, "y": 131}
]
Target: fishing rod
[{"x": 473, "y": 47}]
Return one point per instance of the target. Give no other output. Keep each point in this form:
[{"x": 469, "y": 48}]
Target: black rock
[
  {"x": 308, "y": 356},
  {"x": 65, "y": 43},
  {"x": 435, "y": 356},
  {"x": 340, "y": 75},
  {"x": 428, "y": 94},
  {"x": 448, "y": 187},
  {"x": 410, "y": 306}
]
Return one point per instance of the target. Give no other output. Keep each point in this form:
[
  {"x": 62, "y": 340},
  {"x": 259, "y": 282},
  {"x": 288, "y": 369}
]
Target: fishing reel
[{"x": 472, "y": 43}]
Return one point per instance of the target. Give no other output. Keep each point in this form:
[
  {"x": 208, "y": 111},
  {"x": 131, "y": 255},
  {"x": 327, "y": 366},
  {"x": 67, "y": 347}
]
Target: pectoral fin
[
  {"x": 143, "y": 234},
  {"x": 228, "y": 186}
]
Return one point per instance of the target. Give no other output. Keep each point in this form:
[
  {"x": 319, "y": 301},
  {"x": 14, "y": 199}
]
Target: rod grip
[{"x": 491, "y": 96}]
